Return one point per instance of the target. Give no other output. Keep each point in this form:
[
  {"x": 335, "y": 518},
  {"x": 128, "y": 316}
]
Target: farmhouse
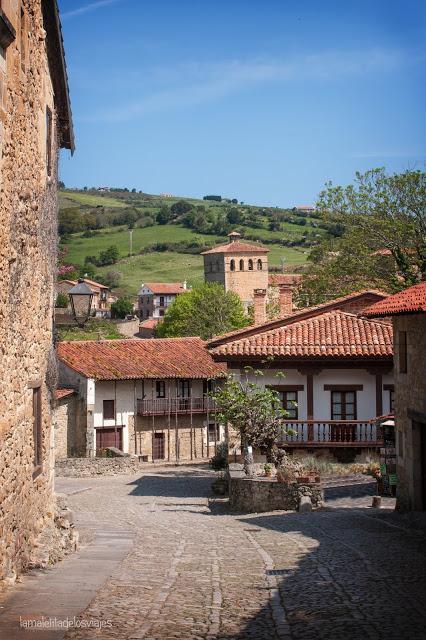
[
  {"x": 337, "y": 366},
  {"x": 145, "y": 397},
  {"x": 154, "y": 298}
]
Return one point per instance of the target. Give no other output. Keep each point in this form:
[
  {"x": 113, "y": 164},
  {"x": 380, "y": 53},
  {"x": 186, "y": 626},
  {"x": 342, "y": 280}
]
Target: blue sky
[{"x": 262, "y": 101}]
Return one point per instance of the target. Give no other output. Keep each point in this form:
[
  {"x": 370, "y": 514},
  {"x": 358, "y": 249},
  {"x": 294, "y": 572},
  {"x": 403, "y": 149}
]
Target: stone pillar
[
  {"x": 259, "y": 298},
  {"x": 286, "y": 299}
]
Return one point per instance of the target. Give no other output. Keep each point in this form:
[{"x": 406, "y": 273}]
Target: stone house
[
  {"x": 337, "y": 367},
  {"x": 35, "y": 120},
  {"x": 408, "y": 312},
  {"x": 154, "y": 298},
  {"x": 145, "y": 397},
  {"x": 102, "y": 296}
]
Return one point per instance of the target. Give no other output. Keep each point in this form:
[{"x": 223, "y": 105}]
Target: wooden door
[
  {"x": 422, "y": 428},
  {"x": 158, "y": 448},
  {"x": 109, "y": 437}
]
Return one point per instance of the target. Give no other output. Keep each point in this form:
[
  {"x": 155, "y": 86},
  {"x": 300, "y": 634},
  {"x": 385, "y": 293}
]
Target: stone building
[
  {"x": 238, "y": 266},
  {"x": 154, "y": 298},
  {"x": 35, "y": 120},
  {"x": 408, "y": 312},
  {"x": 145, "y": 397},
  {"x": 102, "y": 296}
]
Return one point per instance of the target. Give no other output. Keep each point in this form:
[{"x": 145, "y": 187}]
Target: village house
[
  {"x": 35, "y": 120},
  {"x": 408, "y": 312},
  {"x": 144, "y": 397},
  {"x": 337, "y": 367},
  {"x": 154, "y": 298},
  {"x": 102, "y": 296}
]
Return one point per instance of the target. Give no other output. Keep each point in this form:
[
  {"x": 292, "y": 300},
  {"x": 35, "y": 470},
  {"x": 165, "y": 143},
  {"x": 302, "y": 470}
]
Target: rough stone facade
[
  {"x": 410, "y": 412},
  {"x": 29, "y": 138},
  {"x": 67, "y": 438}
]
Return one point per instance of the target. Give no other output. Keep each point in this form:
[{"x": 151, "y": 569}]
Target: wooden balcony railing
[
  {"x": 332, "y": 433},
  {"x": 163, "y": 406}
]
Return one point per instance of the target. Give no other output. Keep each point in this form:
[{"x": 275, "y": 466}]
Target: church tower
[{"x": 239, "y": 266}]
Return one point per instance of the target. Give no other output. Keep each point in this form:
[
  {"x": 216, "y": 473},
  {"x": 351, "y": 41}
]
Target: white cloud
[{"x": 93, "y": 6}]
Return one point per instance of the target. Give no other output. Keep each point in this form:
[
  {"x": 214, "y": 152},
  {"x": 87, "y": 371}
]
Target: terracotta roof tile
[
  {"x": 237, "y": 247},
  {"x": 331, "y": 334},
  {"x": 63, "y": 393},
  {"x": 411, "y": 300},
  {"x": 150, "y": 323},
  {"x": 165, "y": 287},
  {"x": 276, "y": 279},
  {"x": 138, "y": 359}
]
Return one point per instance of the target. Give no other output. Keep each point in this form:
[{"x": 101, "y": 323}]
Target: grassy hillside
[{"x": 175, "y": 263}]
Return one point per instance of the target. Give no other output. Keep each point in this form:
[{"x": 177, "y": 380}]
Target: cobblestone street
[{"x": 196, "y": 571}]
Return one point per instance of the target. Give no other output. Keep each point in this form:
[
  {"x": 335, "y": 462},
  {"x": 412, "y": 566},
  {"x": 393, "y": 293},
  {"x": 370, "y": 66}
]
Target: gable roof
[
  {"x": 137, "y": 359},
  {"x": 301, "y": 314},
  {"x": 332, "y": 334},
  {"x": 164, "y": 287},
  {"x": 411, "y": 300},
  {"x": 237, "y": 247},
  {"x": 91, "y": 283}
]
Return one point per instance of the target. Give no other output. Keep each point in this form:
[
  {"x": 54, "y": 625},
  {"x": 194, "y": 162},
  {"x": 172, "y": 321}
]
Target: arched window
[
  {"x": 241, "y": 265},
  {"x": 259, "y": 265},
  {"x": 232, "y": 265},
  {"x": 250, "y": 265}
]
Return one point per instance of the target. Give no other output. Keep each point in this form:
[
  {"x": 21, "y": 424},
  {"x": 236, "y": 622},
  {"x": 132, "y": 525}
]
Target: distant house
[
  {"x": 104, "y": 189},
  {"x": 305, "y": 208},
  {"x": 146, "y": 397},
  {"x": 155, "y": 297},
  {"x": 102, "y": 296},
  {"x": 337, "y": 368},
  {"x": 408, "y": 312}
]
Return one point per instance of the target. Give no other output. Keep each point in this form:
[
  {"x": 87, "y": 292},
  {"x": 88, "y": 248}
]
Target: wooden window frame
[
  {"x": 160, "y": 388},
  {"x": 215, "y": 428},
  {"x": 343, "y": 404},
  {"x": 108, "y": 414},
  {"x": 37, "y": 431},
  {"x": 184, "y": 383},
  {"x": 294, "y": 408},
  {"x": 289, "y": 388},
  {"x": 402, "y": 352}
]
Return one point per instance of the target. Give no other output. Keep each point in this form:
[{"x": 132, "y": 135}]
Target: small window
[
  {"x": 289, "y": 402},
  {"x": 109, "y": 409},
  {"x": 250, "y": 265},
  {"x": 160, "y": 388},
  {"x": 161, "y": 301},
  {"x": 213, "y": 433},
  {"x": 184, "y": 388},
  {"x": 48, "y": 141},
  {"x": 402, "y": 338},
  {"x": 241, "y": 265},
  {"x": 259, "y": 265},
  {"x": 232, "y": 265},
  {"x": 161, "y": 313},
  {"x": 208, "y": 386},
  {"x": 37, "y": 427},
  {"x": 343, "y": 405}
]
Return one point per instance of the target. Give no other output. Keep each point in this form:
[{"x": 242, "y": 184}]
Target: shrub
[
  {"x": 61, "y": 301},
  {"x": 220, "y": 459}
]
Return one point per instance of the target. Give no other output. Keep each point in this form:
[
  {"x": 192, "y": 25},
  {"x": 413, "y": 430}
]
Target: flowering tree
[{"x": 254, "y": 411}]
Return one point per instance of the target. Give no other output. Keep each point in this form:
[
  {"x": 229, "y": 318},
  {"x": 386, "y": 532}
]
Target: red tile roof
[
  {"x": 237, "y": 247},
  {"x": 91, "y": 283},
  {"x": 276, "y": 279},
  {"x": 165, "y": 287},
  {"x": 334, "y": 334},
  {"x": 63, "y": 393},
  {"x": 150, "y": 323},
  {"x": 138, "y": 359},
  {"x": 300, "y": 314},
  {"x": 411, "y": 300}
]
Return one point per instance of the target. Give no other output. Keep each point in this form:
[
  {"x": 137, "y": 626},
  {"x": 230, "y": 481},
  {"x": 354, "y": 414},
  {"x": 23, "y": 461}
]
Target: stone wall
[
  {"x": 28, "y": 239},
  {"x": 92, "y": 467},
  {"x": 257, "y": 495},
  {"x": 68, "y": 439}
]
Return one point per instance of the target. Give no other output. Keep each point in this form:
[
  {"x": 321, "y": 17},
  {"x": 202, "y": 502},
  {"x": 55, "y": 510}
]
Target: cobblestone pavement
[{"x": 197, "y": 571}]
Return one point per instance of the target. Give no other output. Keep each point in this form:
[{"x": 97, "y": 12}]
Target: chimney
[
  {"x": 259, "y": 304},
  {"x": 286, "y": 299}
]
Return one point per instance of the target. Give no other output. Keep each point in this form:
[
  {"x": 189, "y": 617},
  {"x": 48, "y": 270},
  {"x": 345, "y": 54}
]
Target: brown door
[
  {"x": 423, "y": 462},
  {"x": 158, "y": 447},
  {"x": 109, "y": 437}
]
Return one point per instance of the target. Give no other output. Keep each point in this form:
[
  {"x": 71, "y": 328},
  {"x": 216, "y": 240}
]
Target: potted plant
[{"x": 268, "y": 470}]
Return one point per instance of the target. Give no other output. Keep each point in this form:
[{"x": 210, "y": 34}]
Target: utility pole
[{"x": 130, "y": 242}]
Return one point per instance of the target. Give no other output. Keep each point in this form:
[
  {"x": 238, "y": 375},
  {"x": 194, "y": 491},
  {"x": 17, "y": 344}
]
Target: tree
[
  {"x": 205, "y": 311},
  {"x": 62, "y": 300},
  {"x": 164, "y": 215},
  {"x": 235, "y": 216},
  {"x": 109, "y": 256},
  {"x": 70, "y": 221},
  {"x": 252, "y": 410},
  {"x": 180, "y": 207},
  {"x": 121, "y": 308},
  {"x": 61, "y": 185}
]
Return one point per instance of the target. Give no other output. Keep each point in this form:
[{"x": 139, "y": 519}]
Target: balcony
[
  {"x": 332, "y": 433},
  {"x": 164, "y": 406}
]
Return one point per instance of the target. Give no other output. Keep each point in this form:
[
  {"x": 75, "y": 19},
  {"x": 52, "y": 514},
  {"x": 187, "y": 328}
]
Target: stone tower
[{"x": 238, "y": 266}]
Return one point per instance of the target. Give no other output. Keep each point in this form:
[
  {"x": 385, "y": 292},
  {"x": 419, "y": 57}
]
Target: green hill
[{"x": 91, "y": 221}]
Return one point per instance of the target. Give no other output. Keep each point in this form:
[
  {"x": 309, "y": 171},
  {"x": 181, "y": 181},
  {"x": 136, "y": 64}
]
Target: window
[
  {"x": 289, "y": 403},
  {"x": 259, "y": 265},
  {"x": 48, "y": 141},
  {"x": 402, "y": 341},
  {"x": 161, "y": 301},
  {"x": 160, "y": 388},
  {"x": 37, "y": 427},
  {"x": 213, "y": 432},
  {"x": 208, "y": 386},
  {"x": 232, "y": 265},
  {"x": 250, "y": 265},
  {"x": 109, "y": 409},
  {"x": 184, "y": 388},
  {"x": 391, "y": 400},
  {"x": 241, "y": 265},
  {"x": 343, "y": 405},
  {"x": 161, "y": 312}
]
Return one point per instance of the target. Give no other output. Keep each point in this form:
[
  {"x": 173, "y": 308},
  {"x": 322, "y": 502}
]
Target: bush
[
  {"x": 220, "y": 459},
  {"x": 121, "y": 308},
  {"x": 61, "y": 301}
]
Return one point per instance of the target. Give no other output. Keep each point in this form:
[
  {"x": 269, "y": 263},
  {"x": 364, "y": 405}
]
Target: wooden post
[
  {"x": 190, "y": 417},
  {"x": 153, "y": 421},
  {"x": 169, "y": 407},
  {"x": 176, "y": 424},
  {"x": 135, "y": 413},
  {"x": 207, "y": 431},
  {"x": 379, "y": 394}
]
